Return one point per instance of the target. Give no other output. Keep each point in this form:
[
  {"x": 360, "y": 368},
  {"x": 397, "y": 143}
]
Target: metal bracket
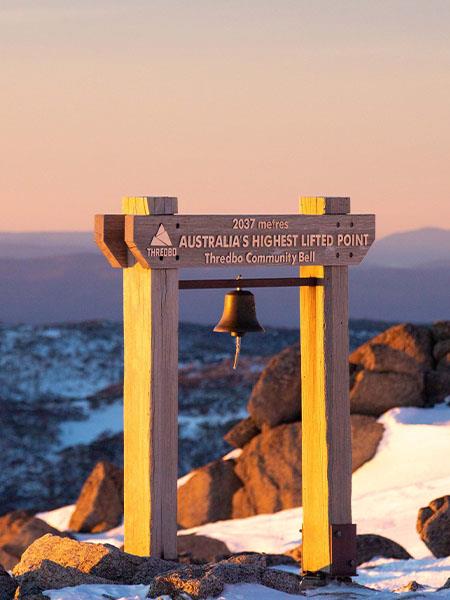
[{"x": 343, "y": 550}]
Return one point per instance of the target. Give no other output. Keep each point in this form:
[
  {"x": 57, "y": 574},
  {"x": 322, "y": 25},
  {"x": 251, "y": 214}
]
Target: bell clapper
[
  {"x": 238, "y": 350},
  {"x": 239, "y": 316}
]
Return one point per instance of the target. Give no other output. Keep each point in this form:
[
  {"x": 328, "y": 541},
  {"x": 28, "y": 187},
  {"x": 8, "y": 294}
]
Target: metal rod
[{"x": 203, "y": 284}]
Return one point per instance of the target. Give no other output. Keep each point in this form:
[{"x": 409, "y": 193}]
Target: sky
[{"x": 233, "y": 106}]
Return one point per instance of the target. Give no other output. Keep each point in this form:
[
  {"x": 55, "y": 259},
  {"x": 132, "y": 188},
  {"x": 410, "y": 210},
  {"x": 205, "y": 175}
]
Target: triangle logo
[{"x": 161, "y": 238}]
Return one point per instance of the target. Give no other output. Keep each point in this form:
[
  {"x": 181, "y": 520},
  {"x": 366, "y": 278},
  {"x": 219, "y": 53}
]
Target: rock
[
  {"x": 444, "y": 363},
  {"x": 100, "y": 561},
  {"x": 241, "y": 433},
  {"x": 7, "y": 585},
  {"x": 209, "y": 580},
  {"x": 200, "y": 549},
  {"x": 51, "y": 575},
  {"x": 441, "y": 349},
  {"x": 437, "y": 385},
  {"x": 207, "y": 494},
  {"x": 404, "y": 348},
  {"x": 296, "y": 554},
  {"x": 18, "y": 530},
  {"x": 440, "y": 330},
  {"x": 384, "y": 359},
  {"x": 242, "y": 506},
  {"x": 270, "y": 468},
  {"x": 194, "y": 580},
  {"x": 366, "y": 435},
  {"x": 412, "y": 586},
  {"x": 374, "y": 393},
  {"x": 433, "y": 526},
  {"x": 446, "y": 585},
  {"x": 152, "y": 567},
  {"x": 100, "y": 504},
  {"x": 260, "y": 558},
  {"x": 275, "y": 397},
  {"x": 289, "y": 583},
  {"x": 370, "y": 546},
  {"x": 270, "y": 465}
]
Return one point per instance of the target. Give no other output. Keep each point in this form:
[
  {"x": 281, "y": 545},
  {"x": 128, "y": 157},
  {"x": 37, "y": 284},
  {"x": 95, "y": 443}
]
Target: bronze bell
[{"x": 239, "y": 317}]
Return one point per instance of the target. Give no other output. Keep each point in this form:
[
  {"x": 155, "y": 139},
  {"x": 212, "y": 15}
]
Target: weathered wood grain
[
  {"x": 150, "y": 402},
  {"x": 109, "y": 235},
  {"x": 350, "y": 237},
  {"x": 326, "y": 432}
]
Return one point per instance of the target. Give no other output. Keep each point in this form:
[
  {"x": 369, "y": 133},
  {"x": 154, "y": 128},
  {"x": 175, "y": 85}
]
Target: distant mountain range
[
  {"x": 58, "y": 277},
  {"x": 421, "y": 247}
]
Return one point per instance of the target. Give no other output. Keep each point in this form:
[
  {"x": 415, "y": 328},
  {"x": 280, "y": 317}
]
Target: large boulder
[
  {"x": 368, "y": 547},
  {"x": 440, "y": 330},
  {"x": 390, "y": 370},
  {"x": 100, "y": 504},
  {"x": 7, "y": 585},
  {"x": 54, "y": 563},
  {"x": 433, "y": 526},
  {"x": 404, "y": 348},
  {"x": 270, "y": 468},
  {"x": 444, "y": 364},
  {"x": 441, "y": 350},
  {"x": 437, "y": 385},
  {"x": 366, "y": 435},
  {"x": 275, "y": 398},
  {"x": 270, "y": 465},
  {"x": 207, "y": 494},
  {"x": 199, "y": 549},
  {"x": 373, "y": 393},
  {"x": 51, "y": 575},
  {"x": 18, "y": 530}
]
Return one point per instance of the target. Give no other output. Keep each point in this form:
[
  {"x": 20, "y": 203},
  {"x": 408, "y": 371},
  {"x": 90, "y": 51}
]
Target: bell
[{"x": 239, "y": 317}]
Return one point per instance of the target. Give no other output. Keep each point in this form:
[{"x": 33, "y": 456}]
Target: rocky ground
[
  {"x": 61, "y": 395},
  {"x": 399, "y": 386},
  {"x": 404, "y": 366}
]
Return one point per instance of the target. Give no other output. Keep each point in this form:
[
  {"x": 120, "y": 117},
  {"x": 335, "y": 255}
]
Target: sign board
[
  {"x": 164, "y": 242},
  {"x": 151, "y": 242}
]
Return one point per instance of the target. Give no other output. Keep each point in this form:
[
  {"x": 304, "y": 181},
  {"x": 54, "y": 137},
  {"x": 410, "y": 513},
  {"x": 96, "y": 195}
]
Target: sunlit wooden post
[
  {"x": 328, "y": 537},
  {"x": 150, "y": 317}
]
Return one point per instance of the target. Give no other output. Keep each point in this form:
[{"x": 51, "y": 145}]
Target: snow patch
[
  {"x": 106, "y": 419},
  {"x": 58, "y": 518},
  {"x": 233, "y": 454},
  {"x": 409, "y": 470},
  {"x": 100, "y": 592}
]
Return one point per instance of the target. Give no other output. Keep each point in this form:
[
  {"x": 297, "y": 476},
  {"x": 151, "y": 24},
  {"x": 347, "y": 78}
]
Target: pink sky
[{"x": 235, "y": 107}]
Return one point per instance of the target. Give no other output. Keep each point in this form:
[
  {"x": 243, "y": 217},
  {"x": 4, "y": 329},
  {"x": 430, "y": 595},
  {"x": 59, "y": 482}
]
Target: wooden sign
[
  {"x": 151, "y": 242},
  {"x": 166, "y": 242}
]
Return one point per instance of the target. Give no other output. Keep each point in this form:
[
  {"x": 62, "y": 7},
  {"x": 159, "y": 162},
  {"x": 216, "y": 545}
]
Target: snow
[
  {"x": 105, "y": 419},
  {"x": 233, "y": 454},
  {"x": 387, "y": 491},
  {"x": 182, "y": 480},
  {"x": 392, "y": 574},
  {"x": 409, "y": 470},
  {"x": 58, "y": 518},
  {"x": 100, "y": 592}
]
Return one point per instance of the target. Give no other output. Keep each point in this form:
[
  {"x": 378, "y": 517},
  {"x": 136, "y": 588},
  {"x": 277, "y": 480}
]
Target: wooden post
[
  {"x": 326, "y": 428},
  {"x": 150, "y": 398}
]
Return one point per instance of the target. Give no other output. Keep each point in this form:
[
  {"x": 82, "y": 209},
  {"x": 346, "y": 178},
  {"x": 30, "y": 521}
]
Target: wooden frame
[{"x": 150, "y": 242}]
